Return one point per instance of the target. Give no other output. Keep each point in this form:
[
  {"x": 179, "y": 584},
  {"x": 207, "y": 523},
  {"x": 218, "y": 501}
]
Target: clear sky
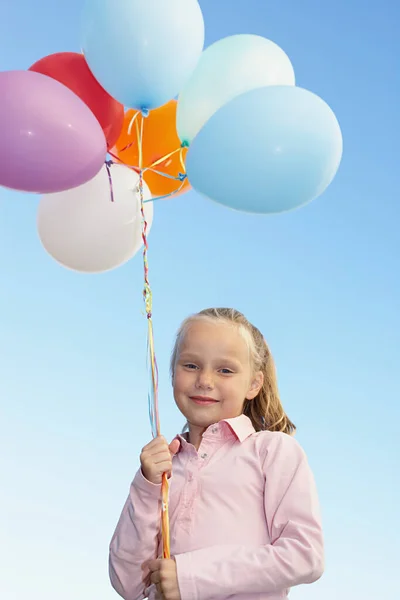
[{"x": 322, "y": 283}]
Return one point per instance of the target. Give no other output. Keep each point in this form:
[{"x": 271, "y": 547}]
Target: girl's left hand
[{"x": 165, "y": 577}]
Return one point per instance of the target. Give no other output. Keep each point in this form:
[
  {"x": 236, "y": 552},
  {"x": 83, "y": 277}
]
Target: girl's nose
[{"x": 204, "y": 381}]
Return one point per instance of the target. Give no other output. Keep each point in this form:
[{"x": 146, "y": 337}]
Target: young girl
[{"x": 244, "y": 514}]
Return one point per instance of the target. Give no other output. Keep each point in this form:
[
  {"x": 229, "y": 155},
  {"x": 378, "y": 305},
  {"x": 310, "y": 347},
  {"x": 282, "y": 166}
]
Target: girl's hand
[
  {"x": 165, "y": 577},
  {"x": 156, "y": 458}
]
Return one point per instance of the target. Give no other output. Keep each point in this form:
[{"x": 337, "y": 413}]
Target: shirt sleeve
[
  {"x": 295, "y": 554},
  {"x": 136, "y": 539}
]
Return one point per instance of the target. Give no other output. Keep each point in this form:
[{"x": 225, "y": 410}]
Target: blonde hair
[{"x": 265, "y": 410}]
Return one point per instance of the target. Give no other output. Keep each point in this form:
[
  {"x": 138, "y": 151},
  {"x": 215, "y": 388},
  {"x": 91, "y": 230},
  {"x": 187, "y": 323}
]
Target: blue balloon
[
  {"x": 269, "y": 150},
  {"x": 142, "y": 51}
]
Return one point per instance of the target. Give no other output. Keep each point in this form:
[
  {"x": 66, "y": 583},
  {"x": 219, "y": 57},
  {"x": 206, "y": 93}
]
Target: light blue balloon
[
  {"x": 269, "y": 150},
  {"x": 228, "y": 68},
  {"x": 142, "y": 51}
]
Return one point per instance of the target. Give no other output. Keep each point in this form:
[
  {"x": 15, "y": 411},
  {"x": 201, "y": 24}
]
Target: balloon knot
[
  {"x": 185, "y": 145},
  {"x": 182, "y": 176},
  {"x": 145, "y": 112}
]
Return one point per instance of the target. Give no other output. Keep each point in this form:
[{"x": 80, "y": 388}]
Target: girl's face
[{"x": 213, "y": 374}]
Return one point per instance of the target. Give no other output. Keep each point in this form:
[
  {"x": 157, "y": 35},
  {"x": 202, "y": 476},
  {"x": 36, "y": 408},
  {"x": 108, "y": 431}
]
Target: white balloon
[
  {"x": 84, "y": 230},
  {"x": 226, "y": 69}
]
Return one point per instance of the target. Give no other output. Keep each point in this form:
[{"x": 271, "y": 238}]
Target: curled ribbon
[
  {"x": 152, "y": 362},
  {"x": 148, "y": 298}
]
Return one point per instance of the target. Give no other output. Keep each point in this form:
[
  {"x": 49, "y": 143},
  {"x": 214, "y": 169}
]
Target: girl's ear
[{"x": 256, "y": 385}]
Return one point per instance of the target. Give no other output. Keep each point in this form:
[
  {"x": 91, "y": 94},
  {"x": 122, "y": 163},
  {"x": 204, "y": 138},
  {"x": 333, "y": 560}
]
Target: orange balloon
[{"x": 160, "y": 143}]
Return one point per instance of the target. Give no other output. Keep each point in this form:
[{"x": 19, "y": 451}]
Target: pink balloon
[{"x": 50, "y": 141}]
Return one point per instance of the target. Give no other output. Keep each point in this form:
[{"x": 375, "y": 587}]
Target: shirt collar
[{"x": 240, "y": 427}]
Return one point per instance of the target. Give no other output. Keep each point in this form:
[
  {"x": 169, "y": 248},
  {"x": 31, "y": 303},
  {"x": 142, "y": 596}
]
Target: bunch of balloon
[{"x": 94, "y": 133}]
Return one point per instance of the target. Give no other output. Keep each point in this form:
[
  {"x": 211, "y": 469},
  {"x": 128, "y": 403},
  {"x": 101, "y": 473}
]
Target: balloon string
[
  {"x": 133, "y": 120},
  {"x": 108, "y": 165},
  {"x": 158, "y": 161},
  {"x": 155, "y": 163},
  {"x": 163, "y": 158},
  {"x": 180, "y": 177},
  {"x": 182, "y": 161},
  {"x": 166, "y": 195},
  {"x": 153, "y": 395},
  {"x": 119, "y": 161}
]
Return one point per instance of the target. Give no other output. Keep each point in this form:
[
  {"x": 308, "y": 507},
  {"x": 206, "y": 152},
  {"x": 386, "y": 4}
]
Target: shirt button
[
  {"x": 203, "y": 456},
  {"x": 214, "y": 430}
]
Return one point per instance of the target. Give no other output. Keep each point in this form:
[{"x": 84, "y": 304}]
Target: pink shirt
[{"x": 244, "y": 518}]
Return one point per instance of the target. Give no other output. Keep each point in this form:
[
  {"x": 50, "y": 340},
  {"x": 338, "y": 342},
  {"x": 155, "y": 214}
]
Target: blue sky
[{"x": 322, "y": 283}]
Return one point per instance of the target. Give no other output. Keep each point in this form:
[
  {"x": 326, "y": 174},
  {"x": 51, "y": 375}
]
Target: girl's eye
[
  {"x": 226, "y": 371},
  {"x": 190, "y": 366}
]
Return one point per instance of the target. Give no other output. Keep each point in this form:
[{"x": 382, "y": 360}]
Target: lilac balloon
[{"x": 50, "y": 141}]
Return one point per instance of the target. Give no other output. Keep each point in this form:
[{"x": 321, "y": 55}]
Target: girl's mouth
[{"x": 203, "y": 400}]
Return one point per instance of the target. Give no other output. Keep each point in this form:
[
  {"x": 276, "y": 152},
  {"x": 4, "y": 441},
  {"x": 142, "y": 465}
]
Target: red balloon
[{"x": 72, "y": 70}]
